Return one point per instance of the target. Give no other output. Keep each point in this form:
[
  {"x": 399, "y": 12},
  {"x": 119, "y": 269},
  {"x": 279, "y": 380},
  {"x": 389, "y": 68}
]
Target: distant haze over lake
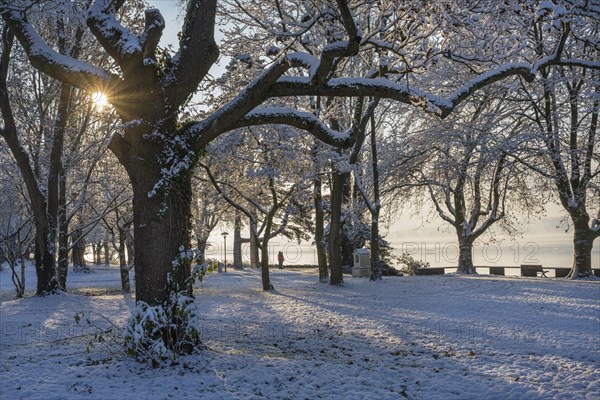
[{"x": 541, "y": 243}]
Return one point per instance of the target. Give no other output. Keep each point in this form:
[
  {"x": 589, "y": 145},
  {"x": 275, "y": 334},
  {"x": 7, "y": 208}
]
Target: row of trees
[{"x": 515, "y": 83}]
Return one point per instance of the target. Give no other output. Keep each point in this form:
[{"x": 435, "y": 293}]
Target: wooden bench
[{"x": 532, "y": 270}]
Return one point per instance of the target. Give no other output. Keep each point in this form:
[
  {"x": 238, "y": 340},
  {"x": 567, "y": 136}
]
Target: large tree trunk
[
  {"x": 264, "y": 255},
  {"x": 264, "y": 265},
  {"x": 106, "y": 252},
  {"x": 583, "y": 242},
  {"x": 201, "y": 243},
  {"x": 97, "y": 250},
  {"x": 237, "y": 242},
  {"x": 123, "y": 266},
  {"x": 162, "y": 224},
  {"x": 319, "y": 229},
  {"x": 21, "y": 289},
  {"x": 63, "y": 234},
  {"x": 347, "y": 244},
  {"x": 376, "y": 272},
  {"x": 129, "y": 247},
  {"x": 63, "y": 254},
  {"x": 78, "y": 251},
  {"x": 465, "y": 256},
  {"x": 45, "y": 263},
  {"x": 375, "y": 254},
  {"x": 56, "y": 176},
  {"x": 335, "y": 246},
  {"x": 254, "y": 258}
]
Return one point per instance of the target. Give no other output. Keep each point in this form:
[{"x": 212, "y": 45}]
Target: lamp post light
[{"x": 224, "y": 234}]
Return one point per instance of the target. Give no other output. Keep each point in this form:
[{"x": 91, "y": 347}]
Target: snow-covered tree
[
  {"x": 43, "y": 108},
  {"x": 16, "y": 225},
  {"x": 469, "y": 175},
  {"x": 264, "y": 174},
  {"x": 116, "y": 212},
  {"x": 563, "y": 108},
  {"x": 150, "y": 87}
]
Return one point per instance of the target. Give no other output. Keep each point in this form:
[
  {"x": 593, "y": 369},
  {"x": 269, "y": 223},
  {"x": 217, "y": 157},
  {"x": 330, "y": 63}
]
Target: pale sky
[{"x": 541, "y": 243}]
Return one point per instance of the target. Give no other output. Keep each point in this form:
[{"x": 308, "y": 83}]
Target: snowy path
[{"x": 429, "y": 337}]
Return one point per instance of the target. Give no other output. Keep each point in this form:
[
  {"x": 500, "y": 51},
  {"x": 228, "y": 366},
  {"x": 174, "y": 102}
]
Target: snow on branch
[
  {"x": 197, "y": 52},
  {"x": 257, "y": 91},
  {"x": 527, "y": 71},
  {"x": 298, "y": 119},
  {"x": 154, "y": 26},
  {"x": 338, "y": 49},
  {"x": 119, "y": 42},
  {"x": 363, "y": 191},
  {"x": 359, "y": 87},
  {"x": 386, "y": 89},
  {"x": 66, "y": 69}
]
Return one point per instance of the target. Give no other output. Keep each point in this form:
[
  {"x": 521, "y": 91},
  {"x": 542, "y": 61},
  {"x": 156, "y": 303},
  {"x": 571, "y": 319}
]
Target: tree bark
[
  {"x": 46, "y": 272},
  {"x": 56, "y": 178},
  {"x": 319, "y": 229},
  {"x": 123, "y": 266},
  {"x": 347, "y": 244},
  {"x": 264, "y": 260},
  {"x": 129, "y": 247},
  {"x": 78, "y": 251},
  {"x": 162, "y": 224},
  {"x": 201, "y": 243},
  {"x": 254, "y": 255},
  {"x": 63, "y": 234},
  {"x": 237, "y": 242},
  {"x": 264, "y": 254},
  {"x": 106, "y": 252},
  {"x": 21, "y": 290},
  {"x": 465, "y": 256},
  {"x": 583, "y": 243},
  {"x": 335, "y": 245},
  {"x": 97, "y": 248},
  {"x": 376, "y": 272}
]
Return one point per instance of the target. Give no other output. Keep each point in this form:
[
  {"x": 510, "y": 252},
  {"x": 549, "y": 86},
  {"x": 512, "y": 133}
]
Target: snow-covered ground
[{"x": 425, "y": 337}]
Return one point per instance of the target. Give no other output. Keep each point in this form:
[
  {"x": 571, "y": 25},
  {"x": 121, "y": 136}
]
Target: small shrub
[
  {"x": 159, "y": 334},
  {"x": 411, "y": 265}
]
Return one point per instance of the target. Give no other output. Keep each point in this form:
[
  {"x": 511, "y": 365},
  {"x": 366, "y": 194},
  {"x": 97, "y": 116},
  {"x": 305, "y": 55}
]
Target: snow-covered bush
[
  {"x": 411, "y": 265},
  {"x": 159, "y": 334},
  {"x": 201, "y": 269},
  {"x": 387, "y": 258}
]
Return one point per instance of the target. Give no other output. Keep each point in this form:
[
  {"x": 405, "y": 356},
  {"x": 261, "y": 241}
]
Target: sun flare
[{"x": 100, "y": 100}]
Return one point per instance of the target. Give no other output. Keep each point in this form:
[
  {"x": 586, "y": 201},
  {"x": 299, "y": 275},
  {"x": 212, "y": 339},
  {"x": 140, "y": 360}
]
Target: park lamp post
[{"x": 224, "y": 234}]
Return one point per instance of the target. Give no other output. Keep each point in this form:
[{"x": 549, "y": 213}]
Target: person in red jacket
[{"x": 280, "y": 259}]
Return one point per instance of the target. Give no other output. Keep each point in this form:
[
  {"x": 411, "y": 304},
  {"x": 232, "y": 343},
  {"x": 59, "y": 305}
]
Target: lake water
[{"x": 549, "y": 252}]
